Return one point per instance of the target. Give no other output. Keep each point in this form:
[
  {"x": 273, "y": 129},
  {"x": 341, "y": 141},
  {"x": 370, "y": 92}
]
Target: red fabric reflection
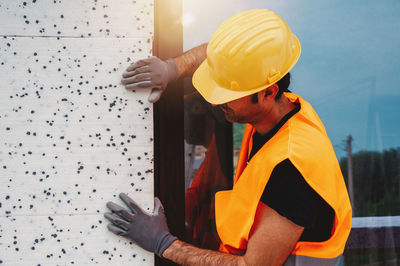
[{"x": 200, "y": 219}]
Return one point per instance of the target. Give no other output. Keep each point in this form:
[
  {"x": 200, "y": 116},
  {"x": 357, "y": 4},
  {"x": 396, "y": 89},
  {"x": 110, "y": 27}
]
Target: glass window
[{"x": 349, "y": 72}]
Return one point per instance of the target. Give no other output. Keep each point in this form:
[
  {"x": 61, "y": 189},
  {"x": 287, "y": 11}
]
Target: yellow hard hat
[{"x": 249, "y": 52}]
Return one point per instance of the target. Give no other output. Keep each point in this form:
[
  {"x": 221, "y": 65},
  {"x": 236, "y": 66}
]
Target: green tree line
[{"x": 376, "y": 182}]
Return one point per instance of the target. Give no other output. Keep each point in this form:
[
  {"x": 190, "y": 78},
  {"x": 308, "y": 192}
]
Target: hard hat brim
[
  {"x": 211, "y": 91},
  {"x": 215, "y": 94}
]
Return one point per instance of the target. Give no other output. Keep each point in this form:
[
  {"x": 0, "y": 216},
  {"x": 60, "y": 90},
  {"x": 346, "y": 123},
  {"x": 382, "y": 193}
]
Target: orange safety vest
[{"x": 302, "y": 140}]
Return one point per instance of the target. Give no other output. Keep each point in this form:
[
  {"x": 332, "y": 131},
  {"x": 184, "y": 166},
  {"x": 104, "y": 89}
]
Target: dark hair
[{"x": 283, "y": 85}]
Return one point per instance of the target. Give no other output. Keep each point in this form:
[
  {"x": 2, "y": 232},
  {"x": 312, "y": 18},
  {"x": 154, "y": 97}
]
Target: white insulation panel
[
  {"x": 86, "y": 18},
  {"x": 71, "y": 136}
]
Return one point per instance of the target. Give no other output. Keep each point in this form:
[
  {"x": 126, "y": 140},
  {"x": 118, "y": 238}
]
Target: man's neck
[{"x": 273, "y": 116}]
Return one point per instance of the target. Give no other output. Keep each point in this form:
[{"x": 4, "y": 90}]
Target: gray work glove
[
  {"x": 151, "y": 73},
  {"x": 150, "y": 231}
]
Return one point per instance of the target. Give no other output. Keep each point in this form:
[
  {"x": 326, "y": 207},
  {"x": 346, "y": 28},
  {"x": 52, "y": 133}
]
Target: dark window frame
[
  {"x": 169, "y": 169},
  {"x": 168, "y": 116}
]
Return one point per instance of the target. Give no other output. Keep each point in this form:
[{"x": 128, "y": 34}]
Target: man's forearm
[
  {"x": 185, "y": 254},
  {"x": 191, "y": 60}
]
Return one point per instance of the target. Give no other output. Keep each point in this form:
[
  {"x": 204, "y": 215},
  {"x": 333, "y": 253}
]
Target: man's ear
[{"x": 269, "y": 92}]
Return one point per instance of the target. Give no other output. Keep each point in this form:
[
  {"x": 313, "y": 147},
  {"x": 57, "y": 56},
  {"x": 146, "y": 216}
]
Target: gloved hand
[
  {"x": 150, "y": 231},
  {"x": 151, "y": 73}
]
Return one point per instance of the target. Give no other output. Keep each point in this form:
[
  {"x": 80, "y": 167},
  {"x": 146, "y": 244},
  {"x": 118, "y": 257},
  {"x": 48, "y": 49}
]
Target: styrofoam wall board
[
  {"x": 86, "y": 18},
  {"x": 71, "y": 136}
]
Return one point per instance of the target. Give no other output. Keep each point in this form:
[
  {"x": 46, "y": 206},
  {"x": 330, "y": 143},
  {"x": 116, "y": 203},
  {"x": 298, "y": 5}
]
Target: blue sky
[{"x": 350, "y": 64}]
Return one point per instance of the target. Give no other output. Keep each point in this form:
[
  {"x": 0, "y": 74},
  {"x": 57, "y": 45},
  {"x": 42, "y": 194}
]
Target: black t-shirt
[{"x": 288, "y": 193}]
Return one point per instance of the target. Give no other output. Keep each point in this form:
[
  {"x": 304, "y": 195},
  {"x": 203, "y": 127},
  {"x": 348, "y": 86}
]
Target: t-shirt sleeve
[{"x": 289, "y": 195}]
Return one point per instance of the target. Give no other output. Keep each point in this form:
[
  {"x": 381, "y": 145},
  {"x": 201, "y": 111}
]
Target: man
[{"x": 289, "y": 204}]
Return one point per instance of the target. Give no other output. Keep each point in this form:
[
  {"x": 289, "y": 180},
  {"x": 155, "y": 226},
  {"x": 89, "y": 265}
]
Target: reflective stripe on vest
[
  {"x": 298, "y": 260},
  {"x": 302, "y": 140}
]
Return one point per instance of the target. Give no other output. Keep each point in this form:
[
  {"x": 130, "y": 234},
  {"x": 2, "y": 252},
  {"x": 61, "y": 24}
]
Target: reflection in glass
[{"x": 208, "y": 167}]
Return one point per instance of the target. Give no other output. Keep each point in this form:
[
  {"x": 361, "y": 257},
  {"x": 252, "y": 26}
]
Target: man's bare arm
[
  {"x": 188, "y": 62},
  {"x": 272, "y": 239},
  {"x": 272, "y": 236},
  {"x": 185, "y": 254}
]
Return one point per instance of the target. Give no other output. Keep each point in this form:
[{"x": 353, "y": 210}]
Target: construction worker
[{"x": 289, "y": 204}]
